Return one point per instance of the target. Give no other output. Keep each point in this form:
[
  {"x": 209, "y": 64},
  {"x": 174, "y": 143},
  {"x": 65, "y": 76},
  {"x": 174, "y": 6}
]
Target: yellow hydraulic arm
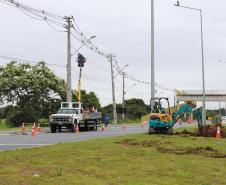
[{"x": 79, "y": 86}]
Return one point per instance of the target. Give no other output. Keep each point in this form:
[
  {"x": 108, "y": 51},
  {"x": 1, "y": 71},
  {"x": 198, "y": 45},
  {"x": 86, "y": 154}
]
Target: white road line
[
  {"x": 6, "y": 134},
  {"x": 11, "y": 144}
]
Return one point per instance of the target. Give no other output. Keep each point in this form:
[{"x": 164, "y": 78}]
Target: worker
[{"x": 106, "y": 120}]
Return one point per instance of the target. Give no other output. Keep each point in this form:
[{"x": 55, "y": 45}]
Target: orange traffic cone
[
  {"x": 124, "y": 127},
  {"x": 33, "y": 131},
  {"x": 189, "y": 121},
  {"x": 143, "y": 124},
  {"x": 22, "y": 129},
  {"x": 34, "y": 125},
  {"x": 39, "y": 128},
  {"x": 103, "y": 127},
  {"x": 218, "y": 135},
  {"x": 77, "y": 129}
]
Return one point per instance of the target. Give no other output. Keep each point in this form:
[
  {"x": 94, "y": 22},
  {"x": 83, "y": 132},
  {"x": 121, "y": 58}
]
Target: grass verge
[{"x": 130, "y": 160}]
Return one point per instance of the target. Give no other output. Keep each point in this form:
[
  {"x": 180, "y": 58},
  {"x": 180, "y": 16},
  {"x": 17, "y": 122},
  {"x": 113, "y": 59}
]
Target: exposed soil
[
  {"x": 169, "y": 148},
  {"x": 208, "y": 131},
  {"x": 200, "y": 151}
]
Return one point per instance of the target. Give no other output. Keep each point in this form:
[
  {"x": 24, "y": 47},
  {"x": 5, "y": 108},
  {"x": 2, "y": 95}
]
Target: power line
[
  {"x": 29, "y": 61},
  {"x": 117, "y": 68},
  {"x": 40, "y": 15}
]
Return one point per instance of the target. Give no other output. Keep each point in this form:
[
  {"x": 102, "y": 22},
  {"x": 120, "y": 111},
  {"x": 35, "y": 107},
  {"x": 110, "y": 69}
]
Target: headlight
[
  {"x": 51, "y": 119},
  {"x": 70, "y": 119}
]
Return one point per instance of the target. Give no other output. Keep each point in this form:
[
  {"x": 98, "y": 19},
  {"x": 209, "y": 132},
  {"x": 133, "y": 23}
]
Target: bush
[{"x": 15, "y": 119}]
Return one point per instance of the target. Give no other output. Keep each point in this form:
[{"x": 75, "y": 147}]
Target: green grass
[
  {"x": 130, "y": 160},
  {"x": 5, "y": 127}
]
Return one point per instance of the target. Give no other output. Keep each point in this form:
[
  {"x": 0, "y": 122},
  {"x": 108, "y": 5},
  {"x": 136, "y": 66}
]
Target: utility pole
[
  {"x": 123, "y": 95},
  {"x": 113, "y": 92},
  {"x": 152, "y": 50},
  {"x": 69, "y": 26}
]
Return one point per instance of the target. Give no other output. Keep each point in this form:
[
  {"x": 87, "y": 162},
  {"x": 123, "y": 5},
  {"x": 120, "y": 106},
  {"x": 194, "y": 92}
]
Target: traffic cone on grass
[
  {"x": 218, "y": 135},
  {"x": 22, "y": 129}
]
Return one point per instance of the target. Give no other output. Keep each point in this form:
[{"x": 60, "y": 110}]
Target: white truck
[{"x": 71, "y": 114}]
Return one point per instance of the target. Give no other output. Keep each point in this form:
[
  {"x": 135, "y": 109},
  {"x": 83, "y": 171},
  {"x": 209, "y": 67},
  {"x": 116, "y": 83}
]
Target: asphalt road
[{"x": 10, "y": 140}]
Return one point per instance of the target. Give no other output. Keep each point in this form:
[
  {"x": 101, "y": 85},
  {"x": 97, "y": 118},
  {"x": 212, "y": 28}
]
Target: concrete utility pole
[
  {"x": 69, "y": 26},
  {"x": 123, "y": 95},
  {"x": 115, "y": 119},
  {"x": 152, "y": 50}
]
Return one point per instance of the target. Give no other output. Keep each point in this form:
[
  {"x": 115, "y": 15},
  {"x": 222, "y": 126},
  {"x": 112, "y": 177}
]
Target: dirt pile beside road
[{"x": 208, "y": 131}]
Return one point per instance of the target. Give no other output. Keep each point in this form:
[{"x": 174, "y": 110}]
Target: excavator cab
[
  {"x": 160, "y": 117},
  {"x": 156, "y": 105}
]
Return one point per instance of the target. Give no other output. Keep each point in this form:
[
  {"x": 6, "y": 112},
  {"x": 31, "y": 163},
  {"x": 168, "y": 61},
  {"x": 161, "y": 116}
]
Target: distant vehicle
[{"x": 71, "y": 114}]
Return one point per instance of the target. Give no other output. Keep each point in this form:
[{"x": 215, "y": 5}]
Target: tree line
[{"x": 31, "y": 92}]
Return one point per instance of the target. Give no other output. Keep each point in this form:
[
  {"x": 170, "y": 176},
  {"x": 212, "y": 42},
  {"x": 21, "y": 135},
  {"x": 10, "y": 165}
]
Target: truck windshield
[{"x": 68, "y": 111}]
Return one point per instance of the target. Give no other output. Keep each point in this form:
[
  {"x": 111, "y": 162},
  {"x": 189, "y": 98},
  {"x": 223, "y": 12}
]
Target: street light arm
[
  {"x": 92, "y": 37},
  {"x": 121, "y": 70},
  {"x": 197, "y": 9},
  {"x": 130, "y": 88}
]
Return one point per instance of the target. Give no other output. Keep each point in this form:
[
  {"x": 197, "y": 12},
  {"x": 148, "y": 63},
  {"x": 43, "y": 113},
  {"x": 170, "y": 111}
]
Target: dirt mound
[
  {"x": 200, "y": 151},
  {"x": 169, "y": 148},
  {"x": 133, "y": 142},
  {"x": 208, "y": 131}
]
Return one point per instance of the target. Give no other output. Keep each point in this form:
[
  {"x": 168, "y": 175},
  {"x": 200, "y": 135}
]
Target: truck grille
[{"x": 61, "y": 119}]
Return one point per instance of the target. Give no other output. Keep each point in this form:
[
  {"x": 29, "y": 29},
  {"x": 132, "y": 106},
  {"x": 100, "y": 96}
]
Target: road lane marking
[{"x": 11, "y": 144}]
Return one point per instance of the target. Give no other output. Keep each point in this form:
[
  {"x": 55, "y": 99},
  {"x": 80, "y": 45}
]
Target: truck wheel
[
  {"x": 170, "y": 131},
  {"x": 53, "y": 128},
  {"x": 59, "y": 128},
  {"x": 95, "y": 127},
  {"x": 151, "y": 130}
]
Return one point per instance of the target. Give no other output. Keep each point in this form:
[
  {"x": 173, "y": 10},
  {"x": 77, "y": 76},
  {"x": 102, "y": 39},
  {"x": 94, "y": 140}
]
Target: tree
[
  {"x": 135, "y": 108},
  {"x": 32, "y": 88},
  {"x": 89, "y": 100}
]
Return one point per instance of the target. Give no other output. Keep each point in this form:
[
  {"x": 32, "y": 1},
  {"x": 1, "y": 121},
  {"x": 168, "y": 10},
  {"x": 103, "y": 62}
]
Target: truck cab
[{"x": 71, "y": 114}]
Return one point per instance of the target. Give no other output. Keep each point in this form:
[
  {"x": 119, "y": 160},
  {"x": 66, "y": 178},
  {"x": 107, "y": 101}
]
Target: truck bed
[{"x": 91, "y": 115}]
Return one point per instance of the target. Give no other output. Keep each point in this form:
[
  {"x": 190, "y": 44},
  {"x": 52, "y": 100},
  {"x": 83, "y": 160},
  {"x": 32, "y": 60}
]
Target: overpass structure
[{"x": 196, "y": 95}]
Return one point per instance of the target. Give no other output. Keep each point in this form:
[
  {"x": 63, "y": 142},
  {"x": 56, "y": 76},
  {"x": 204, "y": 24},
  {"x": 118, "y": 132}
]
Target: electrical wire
[
  {"x": 29, "y": 61},
  {"x": 55, "y": 29},
  {"x": 38, "y": 14}
]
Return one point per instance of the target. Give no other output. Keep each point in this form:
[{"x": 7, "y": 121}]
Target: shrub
[{"x": 16, "y": 118}]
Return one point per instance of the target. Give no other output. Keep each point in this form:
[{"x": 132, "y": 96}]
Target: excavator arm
[
  {"x": 187, "y": 109},
  {"x": 184, "y": 109}
]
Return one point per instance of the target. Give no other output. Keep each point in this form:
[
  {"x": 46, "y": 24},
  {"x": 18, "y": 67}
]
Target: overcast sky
[{"x": 123, "y": 28}]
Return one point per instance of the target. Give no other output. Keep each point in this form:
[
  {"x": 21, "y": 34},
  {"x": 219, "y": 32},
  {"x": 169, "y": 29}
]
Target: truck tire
[
  {"x": 151, "y": 130},
  {"x": 170, "y": 131},
  {"x": 53, "y": 129},
  {"x": 59, "y": 128},
  {"x": 95, "y": 127}
]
